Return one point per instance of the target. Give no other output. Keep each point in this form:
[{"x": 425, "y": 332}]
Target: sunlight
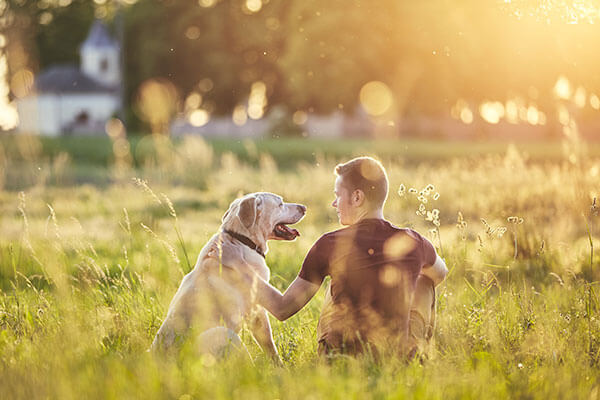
[
  {"x": 199, "y": 117},
  {"x": 239, "y": 116},
  {"x": 580, "y": 97},
  {"x": 511, "y": 112},
  {"x": 156, "y": 102},
  {"x": 257, "y": 100},
  {"x": 533, "y": 116},
  {"x": 253, "y": 5},
  {"x": 376, "y": 98},
  {"x": 8, "y": 113},
  {"x": 491, "y": 112},
  {"x": 193, "y": 101},
  {"x": 207, "y": 3},
  {"x": 562, "y": 88},
  {"x": 466, "y": 115},
  {"x": 595, "y": 101},
  {"x": 300, "y": 117}
]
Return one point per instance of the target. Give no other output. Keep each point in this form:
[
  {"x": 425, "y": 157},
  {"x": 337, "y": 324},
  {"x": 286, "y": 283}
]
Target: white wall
[
  {"x": 51, "y": 114},
  {"x": 39, "y": 114}
]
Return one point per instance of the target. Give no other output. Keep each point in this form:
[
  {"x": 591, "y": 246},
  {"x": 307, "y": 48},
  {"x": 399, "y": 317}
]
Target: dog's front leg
[{"x": 261, "y": 329}]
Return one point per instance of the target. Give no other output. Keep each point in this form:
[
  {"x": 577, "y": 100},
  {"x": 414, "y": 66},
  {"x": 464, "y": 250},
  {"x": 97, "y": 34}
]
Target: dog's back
[{"x": 209, "y": 296}]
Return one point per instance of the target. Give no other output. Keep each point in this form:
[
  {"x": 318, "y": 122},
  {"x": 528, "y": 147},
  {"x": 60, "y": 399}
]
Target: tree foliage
[{"x": 316, "y": 55}]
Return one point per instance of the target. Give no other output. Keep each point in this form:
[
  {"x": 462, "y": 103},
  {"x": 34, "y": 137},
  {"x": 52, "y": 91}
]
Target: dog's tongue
[{"x": 291, "y": 231}]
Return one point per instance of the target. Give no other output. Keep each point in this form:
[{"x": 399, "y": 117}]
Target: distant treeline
[{"x": 316, "y": 55}]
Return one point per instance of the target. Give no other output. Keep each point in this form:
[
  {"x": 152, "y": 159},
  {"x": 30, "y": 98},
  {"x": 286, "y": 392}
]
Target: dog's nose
[{"x": 301, "y": 208}]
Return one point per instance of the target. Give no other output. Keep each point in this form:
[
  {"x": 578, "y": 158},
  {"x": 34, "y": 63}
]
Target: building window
[
  {"x": 104, "y": 65},
  {"x": 82, "y": 118}
]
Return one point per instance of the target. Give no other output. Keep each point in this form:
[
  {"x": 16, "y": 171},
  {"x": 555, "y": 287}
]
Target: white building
[{"x": 66, "y": 99}]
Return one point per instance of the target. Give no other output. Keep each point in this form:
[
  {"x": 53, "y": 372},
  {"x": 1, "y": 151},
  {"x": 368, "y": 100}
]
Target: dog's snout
[{"x": 301, "y": 208}]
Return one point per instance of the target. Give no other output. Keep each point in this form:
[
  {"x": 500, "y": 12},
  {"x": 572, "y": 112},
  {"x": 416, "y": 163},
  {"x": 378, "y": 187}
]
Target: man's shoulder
[
  {"x": 328, "y": 236},
  {"x": 405, "y": 233}
]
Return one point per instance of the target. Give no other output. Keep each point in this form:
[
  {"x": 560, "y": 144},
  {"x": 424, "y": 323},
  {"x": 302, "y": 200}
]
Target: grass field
[{"x": 89, "y": 261}]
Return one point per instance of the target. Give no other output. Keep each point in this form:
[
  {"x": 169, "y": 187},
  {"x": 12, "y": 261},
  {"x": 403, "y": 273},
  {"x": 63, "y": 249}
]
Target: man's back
[{"x": 373, "y": 267}]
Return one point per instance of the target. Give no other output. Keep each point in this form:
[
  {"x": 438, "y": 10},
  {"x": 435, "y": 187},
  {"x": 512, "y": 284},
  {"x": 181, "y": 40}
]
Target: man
[{"x": 382, "y": 277}]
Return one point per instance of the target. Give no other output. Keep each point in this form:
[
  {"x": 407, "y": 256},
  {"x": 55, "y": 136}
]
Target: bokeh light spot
[
  {"x": 491, "y": 112},
  {"x": 594, "y": 101},
  {"x": 207, "y": 3},
  {"x": 376, "y": 98},
  {"x": 300, "y": 117},
  {"x": 253, "y": 5},
  {"x": 157, "y": 101},
  {"x": 192, "y": 32},
  {"x": 199, "y": 117},
  {"x": 239, "y": 116},
  {"x": 562, "y": 88}
]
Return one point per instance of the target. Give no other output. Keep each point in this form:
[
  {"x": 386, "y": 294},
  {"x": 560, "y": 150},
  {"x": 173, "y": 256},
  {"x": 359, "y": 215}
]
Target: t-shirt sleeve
[
  {"x": 429, "y": 254},
  {"x": 315, "y": 265}
]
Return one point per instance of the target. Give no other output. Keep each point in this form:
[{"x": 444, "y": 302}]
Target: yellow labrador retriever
[{"x": 213, "y": 301}]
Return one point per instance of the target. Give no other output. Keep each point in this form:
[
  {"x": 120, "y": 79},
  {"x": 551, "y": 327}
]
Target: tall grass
[{"x": 87, "y": 272}]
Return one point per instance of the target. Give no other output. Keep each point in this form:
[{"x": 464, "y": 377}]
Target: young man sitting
[{"x": 383, "y": 277}]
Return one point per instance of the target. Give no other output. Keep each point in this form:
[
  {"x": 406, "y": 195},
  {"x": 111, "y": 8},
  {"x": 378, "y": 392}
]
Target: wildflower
[
  {"x": 402, "y": 190},
  {"x": 436, "y": 196},
  {"x": 515, "y": 220}
]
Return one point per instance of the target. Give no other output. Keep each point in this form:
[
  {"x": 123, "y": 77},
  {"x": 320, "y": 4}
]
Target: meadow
[{"x": 91, "y": 257}]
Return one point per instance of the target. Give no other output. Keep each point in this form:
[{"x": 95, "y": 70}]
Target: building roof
[
  {"x": 99, "y": 37},
  {"x": 68, "y": 79}
]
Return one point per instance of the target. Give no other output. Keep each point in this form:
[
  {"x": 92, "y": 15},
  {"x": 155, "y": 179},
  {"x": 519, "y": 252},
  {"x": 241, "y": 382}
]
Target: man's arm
[
  {"x": 436, "y": 272},
  {"x": 283, "y": 306}
]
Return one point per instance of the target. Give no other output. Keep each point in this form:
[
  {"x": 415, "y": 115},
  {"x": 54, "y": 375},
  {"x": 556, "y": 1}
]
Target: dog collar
[{"x": 245, "y": 240}]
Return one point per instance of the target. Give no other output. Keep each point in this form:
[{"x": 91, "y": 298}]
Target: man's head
[{"x": 361, "y": 189}]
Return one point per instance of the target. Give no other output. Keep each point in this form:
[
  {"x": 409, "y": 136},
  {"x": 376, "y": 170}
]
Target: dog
[{"x": 213, "y": 301}]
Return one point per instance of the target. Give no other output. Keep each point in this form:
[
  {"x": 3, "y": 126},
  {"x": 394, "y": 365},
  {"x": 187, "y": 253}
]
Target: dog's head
[{"x": 262, "y": 217}]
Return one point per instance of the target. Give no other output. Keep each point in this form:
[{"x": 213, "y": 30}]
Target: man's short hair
[{"x": 366, "y": 174}]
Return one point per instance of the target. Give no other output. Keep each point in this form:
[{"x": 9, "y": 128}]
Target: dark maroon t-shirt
[{"x": 374, "y": 267}]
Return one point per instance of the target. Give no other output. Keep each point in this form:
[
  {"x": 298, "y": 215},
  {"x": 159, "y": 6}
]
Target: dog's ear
[
  {"x": 231, "y": 206},
  {"x": 247, "y": 211}
]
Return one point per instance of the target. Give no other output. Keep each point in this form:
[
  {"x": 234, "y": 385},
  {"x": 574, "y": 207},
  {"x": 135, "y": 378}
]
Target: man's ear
[
  {"x": 247, "y": 211},
  {"x": 358, "y": 197}
]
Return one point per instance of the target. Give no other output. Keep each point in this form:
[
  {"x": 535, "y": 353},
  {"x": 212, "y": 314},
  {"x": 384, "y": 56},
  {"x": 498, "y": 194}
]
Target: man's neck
[{"x": 370, "y": 214}]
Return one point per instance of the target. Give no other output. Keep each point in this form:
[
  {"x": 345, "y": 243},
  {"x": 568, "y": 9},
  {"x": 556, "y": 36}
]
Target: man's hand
[
  {"x": 436, "y": 272},
  {"x": 232, "y": 257}
]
